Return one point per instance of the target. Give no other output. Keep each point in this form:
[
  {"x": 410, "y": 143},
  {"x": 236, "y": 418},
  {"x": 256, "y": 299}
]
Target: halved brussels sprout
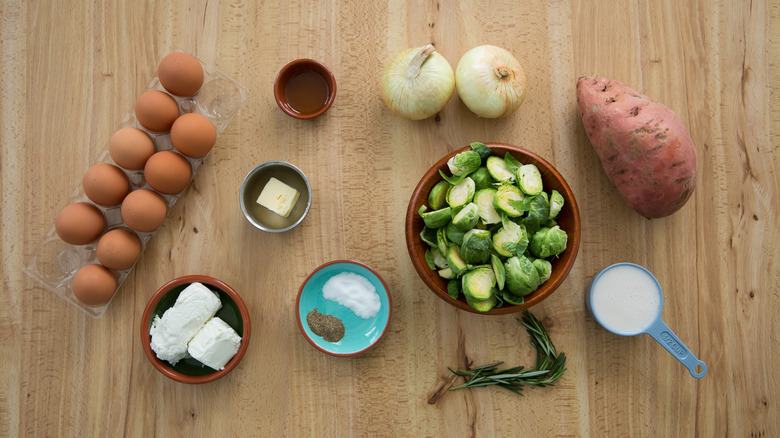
[
  {"x": 548, "y": 242},
  {"x": 478, "y": 283},
  {"x": 436, "y": 218},
  {"x": 455, "y": 261},
  {"x": 507, "y": 198},
  {"x": 461, "y": 193},
  {"x": 556, "y": 204},
  {"x": 530, "y": 179},
  {"x": 464, "y": 163},
  {"x": 544, "y": 268},
  {"x": 441, "y": 241},
  {"x": 437, "y": 198},
  {"x": 467, "y": 217},
  {"x": 483, "y": 305},
  {"x": 476, "y": 246},
  {"x": 447, "y": 274},
  {"x": 522, "y": 278},
  {"x": 499, "y": 171},
  {"x": 498, "y": 270},
  {"x": 482, "y": 178},
  {"x": 505, "y": 241},
  {"x": 487, "y": 212}
]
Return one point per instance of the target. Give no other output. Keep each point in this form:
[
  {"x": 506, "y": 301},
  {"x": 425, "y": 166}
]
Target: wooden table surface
[{"x": 71, "y": 70}]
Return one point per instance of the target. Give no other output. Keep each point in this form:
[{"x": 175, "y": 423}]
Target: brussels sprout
[
  {"x": 447, "y": 274},
  {"x": 512, "y": 163},
  {"x": 544, "y": 268},
  {"x": 464, "y": 163},
  {"x": 478, "y": 283},
  {"x": 436, "y": 218},
  {"x": 437, "y": 199},
  {"x": 455, "y": 261},
  {"x": 476, "y": 246},
  {"x": 461, "y": 193},
  {"x": 505, "y": 241},
  {"x": 482, "y": 179},
  {"x": 467, "y": 217},
  {"x": 483, "y": 305},
  {"x": 499, "y": 170},
  {"x": 538, "y": 213},
  {"x": 511, "y": 298},
  {"x": 453, "y": 289},
  {"x": 529, "y": 179},
  {"x": 439, "y": 259},
  {"x": 454, "y": 234},
  {"x": 428, "y": 235},
  {"x": 548, "y": 242},
  {"x": 507, "y": 198},
  {"x": 483, "y": 151},
  {"x": 556, "y": 204},
  {"x": 441, "y": 241},
  {"x": 487, "y": 212},
  {"x": 498, "y": 270},
  {"x": 522, "y": 278}
]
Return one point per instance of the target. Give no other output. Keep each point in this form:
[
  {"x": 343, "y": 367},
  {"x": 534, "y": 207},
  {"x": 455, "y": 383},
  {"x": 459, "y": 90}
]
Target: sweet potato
[{"x": 644, "y": 147}]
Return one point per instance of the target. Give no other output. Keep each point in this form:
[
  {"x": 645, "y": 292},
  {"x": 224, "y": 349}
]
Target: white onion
[
  {"x": 490, "y": 81},
  {"x": 417, "y": 83}
]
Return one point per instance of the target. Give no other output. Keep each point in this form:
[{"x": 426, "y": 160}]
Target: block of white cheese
[
  {"x": 194, "y": 306},
  {"x": 215, "y": 344},
  {"x": 278, "y": 197}
]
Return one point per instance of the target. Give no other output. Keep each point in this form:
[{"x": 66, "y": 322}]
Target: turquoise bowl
[{"x": 360, "y": 335}]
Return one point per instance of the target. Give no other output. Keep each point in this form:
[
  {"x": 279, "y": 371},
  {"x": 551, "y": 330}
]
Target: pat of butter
[
  {"x": 215, "y": 344},
  {"x": 278, "y": 197}
]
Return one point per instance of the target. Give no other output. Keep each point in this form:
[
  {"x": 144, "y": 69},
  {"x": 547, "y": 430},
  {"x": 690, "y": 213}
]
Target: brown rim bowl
[
  {"x": 297, "y": 67},
  {"x": 569, "y": 220},
  {"x": 233, "y": 312}
]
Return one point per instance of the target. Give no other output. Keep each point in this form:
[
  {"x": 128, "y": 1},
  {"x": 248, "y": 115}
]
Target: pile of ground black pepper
[{"x": 328, "y": 326}]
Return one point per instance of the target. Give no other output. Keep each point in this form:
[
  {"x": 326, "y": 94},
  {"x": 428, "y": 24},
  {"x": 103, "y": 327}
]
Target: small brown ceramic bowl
[
  {"x": 304, "y": 88},
  {"x": 233, "y": 312},
  {"x": 568, "y": 219}
]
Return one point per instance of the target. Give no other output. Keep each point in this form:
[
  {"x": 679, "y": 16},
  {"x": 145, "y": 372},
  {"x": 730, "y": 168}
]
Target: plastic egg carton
[{"x": 54, "y": 262}]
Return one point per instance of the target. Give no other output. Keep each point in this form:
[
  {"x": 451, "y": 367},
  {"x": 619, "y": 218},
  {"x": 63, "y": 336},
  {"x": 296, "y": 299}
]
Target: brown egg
[
  {"x": 156, "y": 110},
  {"x": 105, "y": 184},
  {"x": 181, "y": 74},
  {"x": 143, "y": 210},
  {"x": 79, "y": 223},
  {"x": 118, "y": 249},
  {"x": 93, "y": 285},
  {"x": 193, "y": 135},
  {"x": 167, "y": 172},
  {"x": 130, "y": 148}
]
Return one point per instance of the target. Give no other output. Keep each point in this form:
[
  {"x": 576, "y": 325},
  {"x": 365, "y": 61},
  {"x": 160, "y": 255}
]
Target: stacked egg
[{"x": 141, "y": 182}]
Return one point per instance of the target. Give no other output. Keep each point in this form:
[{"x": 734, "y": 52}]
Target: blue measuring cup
[{"x": 649, "y": 323}]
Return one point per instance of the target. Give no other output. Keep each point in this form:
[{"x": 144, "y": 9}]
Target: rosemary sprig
[{"x": 550, "y": 365}]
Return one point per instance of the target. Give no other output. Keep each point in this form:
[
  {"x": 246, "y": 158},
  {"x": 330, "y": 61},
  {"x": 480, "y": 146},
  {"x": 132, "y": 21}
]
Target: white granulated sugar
[{"x": 354, "y": 292}]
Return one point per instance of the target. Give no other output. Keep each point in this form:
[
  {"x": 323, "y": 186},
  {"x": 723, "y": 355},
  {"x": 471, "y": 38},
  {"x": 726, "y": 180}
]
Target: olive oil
[{"x": 306, "y": 92}]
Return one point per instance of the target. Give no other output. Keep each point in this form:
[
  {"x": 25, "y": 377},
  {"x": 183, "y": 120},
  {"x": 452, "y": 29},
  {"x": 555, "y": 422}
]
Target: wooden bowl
[
  {"x": 569, "y": 220},
  {"x": 233, "y": 312}
]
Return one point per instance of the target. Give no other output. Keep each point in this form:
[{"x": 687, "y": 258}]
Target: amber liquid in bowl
[{"x": 306, "y": 92}]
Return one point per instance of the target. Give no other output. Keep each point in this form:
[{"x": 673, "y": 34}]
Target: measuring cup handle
[{"x": 666, "y": 337}]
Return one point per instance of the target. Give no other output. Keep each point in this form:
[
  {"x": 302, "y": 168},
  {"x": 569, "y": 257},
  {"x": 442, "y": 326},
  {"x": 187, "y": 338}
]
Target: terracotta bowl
[
  {"x": 569, "y": 220},
  {"x": 233, "y": 312},
  {"x": 295, "y": 68}
]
